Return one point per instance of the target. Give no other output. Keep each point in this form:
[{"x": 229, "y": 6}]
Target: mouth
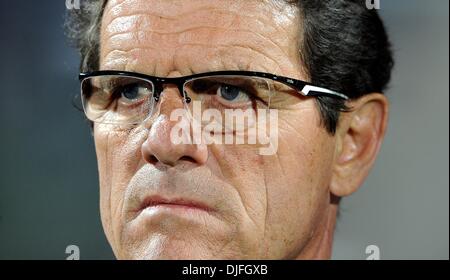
[{"x": 156, "y": 202}]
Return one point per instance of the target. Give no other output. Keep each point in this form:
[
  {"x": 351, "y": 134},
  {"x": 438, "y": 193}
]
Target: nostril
[
  {"x": 188, "y": 158},
  {"x": 152, "y": 159}
]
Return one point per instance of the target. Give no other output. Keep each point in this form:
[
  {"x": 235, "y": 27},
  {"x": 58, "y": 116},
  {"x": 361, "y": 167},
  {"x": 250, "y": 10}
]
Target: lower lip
[{"x": 163, "y": 210}]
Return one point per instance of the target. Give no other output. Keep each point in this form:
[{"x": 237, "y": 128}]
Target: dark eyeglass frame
[{"x": 302, "y": 87}]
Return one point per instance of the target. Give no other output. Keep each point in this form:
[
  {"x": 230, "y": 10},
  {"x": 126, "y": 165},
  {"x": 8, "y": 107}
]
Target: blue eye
[
  {"x": 130, "y": 92},
  {"x": 229, "y": 93}
]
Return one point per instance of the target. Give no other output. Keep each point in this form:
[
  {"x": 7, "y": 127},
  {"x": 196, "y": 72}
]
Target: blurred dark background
[{"x": 48, "y": 174}]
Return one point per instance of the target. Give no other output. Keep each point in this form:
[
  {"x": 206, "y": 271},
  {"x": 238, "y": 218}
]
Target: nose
[{"x": 159, "y": 147}]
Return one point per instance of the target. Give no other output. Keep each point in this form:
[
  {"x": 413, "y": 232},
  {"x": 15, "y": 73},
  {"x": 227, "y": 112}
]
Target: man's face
[{"x": 222, "y": 201}]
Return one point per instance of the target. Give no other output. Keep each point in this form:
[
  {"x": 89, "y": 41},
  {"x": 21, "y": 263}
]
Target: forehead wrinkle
[
  {"x": 217, "y": 17},
  {"x": 188, "y": 64},
  {"x": 226, "y": 20},
  {"x": 114, "y": 60},
  {"x": 237, "y": 53},
  {"x": 214, "y": 16},
  {"x": 191, "y": 33},
  {"x": 167, "y": 9},
  {"x": 129, "y": 33},
  {"x": 142, "y": 39},
  {"x": 130, "y": 59},
  {"x": 148, "y": 19},
  {"x": 218, "y": 52},
  {"x": 223, "y": 13}
]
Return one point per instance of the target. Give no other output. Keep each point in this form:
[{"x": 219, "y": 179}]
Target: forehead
[{"x": 161, "y": 37}]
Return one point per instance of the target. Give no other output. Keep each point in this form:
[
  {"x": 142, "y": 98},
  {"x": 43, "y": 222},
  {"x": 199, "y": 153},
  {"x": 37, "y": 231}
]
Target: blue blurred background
[{"x": 48, "y": 174}]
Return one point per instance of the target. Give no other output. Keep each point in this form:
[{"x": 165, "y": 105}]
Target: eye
[
  {"x": 132, "y": 93},
  {"x": 233, "y": 93}
]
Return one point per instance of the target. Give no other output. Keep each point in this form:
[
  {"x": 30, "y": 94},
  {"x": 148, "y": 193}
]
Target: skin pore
[{"x": 258, "y": 207}]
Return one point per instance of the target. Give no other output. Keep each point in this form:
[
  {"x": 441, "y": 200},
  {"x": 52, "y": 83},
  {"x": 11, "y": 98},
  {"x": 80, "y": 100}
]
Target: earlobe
[{"x": 359, "y": 137}]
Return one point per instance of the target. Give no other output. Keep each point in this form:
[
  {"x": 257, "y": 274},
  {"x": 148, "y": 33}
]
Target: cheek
[
  {"x": 305, "y": 160},
  {"x": 242, "y": 168},
  {"x": 282, "y": 196},
  {"x": 299, "y": 176},
  {"x": 118, "y": 157}
]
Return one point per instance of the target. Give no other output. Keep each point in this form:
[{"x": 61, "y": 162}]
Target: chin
[
  {"x": 167, "y": 236},
  {"x": 169, "y": 250}
]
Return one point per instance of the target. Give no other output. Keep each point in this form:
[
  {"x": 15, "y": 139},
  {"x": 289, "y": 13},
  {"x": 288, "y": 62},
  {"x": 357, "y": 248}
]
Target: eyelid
[
  {"x": 250, "y": 92},
  {"x": 132, "y": 85}
]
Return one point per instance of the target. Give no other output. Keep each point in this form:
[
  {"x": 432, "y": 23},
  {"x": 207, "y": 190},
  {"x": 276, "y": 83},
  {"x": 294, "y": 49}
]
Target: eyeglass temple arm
[
  {"x": 306, "y": 89},
  {"x": 309, "y": 90}
]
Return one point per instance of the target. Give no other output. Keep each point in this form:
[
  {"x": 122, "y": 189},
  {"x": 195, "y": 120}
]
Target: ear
[{"x": 359, "y": 136}]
